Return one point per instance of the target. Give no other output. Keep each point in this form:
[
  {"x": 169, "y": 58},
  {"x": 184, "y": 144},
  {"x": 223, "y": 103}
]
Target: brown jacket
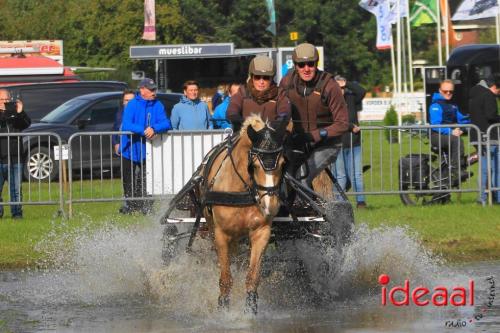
[
  {"x": 316, "y": 105},
  {"x": 242, "y": 105}
]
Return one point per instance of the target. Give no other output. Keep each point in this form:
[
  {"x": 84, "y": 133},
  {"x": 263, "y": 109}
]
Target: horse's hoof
[
  {"x": 223, "y": 303},
  {"x": 251, "y": 304}
]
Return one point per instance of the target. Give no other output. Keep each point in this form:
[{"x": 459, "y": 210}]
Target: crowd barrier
[
  {"x": 91, "y": 171},
  {"x": 40, "y": 170}
]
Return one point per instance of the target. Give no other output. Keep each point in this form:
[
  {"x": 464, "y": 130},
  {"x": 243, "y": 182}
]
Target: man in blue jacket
[
  {"x": 191, "y": 113},
  {"x": 443, "y": 112},
  {"x": 144, "y": 116}
]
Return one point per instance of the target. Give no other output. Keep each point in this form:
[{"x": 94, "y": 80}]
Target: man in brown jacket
[{"x": 319, "y": 113}]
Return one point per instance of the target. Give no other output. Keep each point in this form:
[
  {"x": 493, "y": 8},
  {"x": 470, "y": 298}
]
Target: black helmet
[
  {"x": 305, "y": 52},
  {"x": 261, "y": 65}
]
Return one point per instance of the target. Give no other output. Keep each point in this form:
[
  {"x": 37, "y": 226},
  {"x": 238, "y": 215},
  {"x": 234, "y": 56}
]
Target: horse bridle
[{"x": 264, "y": 162}]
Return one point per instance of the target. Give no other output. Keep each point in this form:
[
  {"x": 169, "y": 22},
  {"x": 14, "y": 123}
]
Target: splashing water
[{"x": 115, "y": 261}]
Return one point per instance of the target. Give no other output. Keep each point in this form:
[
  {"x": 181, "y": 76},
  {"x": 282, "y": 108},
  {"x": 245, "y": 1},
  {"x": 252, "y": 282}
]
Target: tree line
[{"x": 98, "y": 33}]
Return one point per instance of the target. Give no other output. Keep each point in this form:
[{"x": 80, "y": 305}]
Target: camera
[{"x": 10, "y": 109}]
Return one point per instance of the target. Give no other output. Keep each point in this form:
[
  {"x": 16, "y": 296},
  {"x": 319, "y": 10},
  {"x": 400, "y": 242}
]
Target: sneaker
[
  {"x": 473, "y": 158},
  {"x": 17, "y": 217},
  {"x": 361, "y": 204},
  {"x": 125, "y": 210}
]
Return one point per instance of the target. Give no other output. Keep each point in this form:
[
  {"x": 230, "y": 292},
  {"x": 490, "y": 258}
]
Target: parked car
[
  {"x": 41, "y": 98},
  {"x": 87, "y": 113}
]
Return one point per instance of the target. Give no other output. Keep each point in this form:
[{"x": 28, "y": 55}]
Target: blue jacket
[
  {"x": 137, "y": 116},
  {"x": 219, "y": 115},
  {"x": 442, "y": 112},
  {"x": 117, "y": 126},
  {"x": 191, "y": 115}
]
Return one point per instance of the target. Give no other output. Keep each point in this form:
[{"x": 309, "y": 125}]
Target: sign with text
[
  {"x": 65, "y": 153},
  {"x": 48, "y": 48},
  {"x": 181, "y": 51}
]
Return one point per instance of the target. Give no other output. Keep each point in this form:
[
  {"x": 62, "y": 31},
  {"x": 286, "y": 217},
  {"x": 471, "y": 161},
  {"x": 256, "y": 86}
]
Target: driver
[
  {"x": 259, "y": 95},
  {"x": 319, "y": 113}
]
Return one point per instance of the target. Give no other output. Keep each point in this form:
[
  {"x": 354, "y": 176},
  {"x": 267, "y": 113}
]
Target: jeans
[
  {"x": 451, "y": 144},
  {"x": 134, "y": 185},
  {"x": 348, "y": 168},
  {"x": 322, "y": 156},
  {"x": 13, "y": 174},
  {"x": 495, "y": 174}
]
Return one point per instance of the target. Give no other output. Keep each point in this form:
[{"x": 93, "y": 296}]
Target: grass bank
[{"x": 461, "y": 231}]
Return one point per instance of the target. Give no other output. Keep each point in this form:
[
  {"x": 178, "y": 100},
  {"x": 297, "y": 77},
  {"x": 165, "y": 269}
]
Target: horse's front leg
[
  {"x": 222, "y": 242},
  {"x": 259, "y": 239}
]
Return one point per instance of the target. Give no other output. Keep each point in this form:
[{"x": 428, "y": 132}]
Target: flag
[
  {"x": 476, "y": 9},
  {"x": 381, "y": 10},
  {"x": 272, "y": 17},
  {"x": 403, "y": 9},
  {"x": 423, "y": 12},
  {"x": 149, "y": 20}
]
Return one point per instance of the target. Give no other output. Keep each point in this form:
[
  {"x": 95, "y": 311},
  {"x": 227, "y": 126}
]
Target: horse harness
[{"x": 250, "y": 196}]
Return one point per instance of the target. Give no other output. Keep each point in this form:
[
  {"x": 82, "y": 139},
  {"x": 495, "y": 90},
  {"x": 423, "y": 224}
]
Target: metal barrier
[
  {"x": 493, "y": 162},
  {"x": 37, "y": 155},
  {"x": 172, "y": 158},
  {"x": 166, "y": 168},
  {"x": 385, "y": 174}
]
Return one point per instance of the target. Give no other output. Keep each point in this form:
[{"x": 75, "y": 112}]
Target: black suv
[
  {"x": 87, "y": 113},
  {"x": 41, "y": 98}
]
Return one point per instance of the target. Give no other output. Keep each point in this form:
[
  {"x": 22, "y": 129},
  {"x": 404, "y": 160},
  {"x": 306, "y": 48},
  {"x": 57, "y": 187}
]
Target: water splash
[{"x": 116, "y": 261}]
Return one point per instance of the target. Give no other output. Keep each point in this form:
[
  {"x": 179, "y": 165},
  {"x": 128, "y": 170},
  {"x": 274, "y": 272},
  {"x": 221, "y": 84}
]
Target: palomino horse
[{"x": 255, "y": 166}]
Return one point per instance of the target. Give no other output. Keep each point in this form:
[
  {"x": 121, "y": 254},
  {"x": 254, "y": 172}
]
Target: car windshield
[{"x": 64, "y": 112}]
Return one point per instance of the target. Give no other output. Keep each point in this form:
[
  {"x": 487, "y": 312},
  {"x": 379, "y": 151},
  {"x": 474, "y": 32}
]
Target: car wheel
[{"x": 40, "y": 165}]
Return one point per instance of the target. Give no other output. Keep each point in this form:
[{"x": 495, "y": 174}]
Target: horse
[{"x": 253, "y": 167}]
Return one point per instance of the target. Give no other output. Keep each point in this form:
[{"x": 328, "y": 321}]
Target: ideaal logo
[
  {"x": 439, "y": 296},
  {"x": 460, "y": 296}
]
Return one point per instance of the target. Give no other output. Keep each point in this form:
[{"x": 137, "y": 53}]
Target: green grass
[{"x": 19, "y": 237}]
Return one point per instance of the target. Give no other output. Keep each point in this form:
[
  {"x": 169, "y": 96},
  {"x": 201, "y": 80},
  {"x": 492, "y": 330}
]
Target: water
[{"x": 113, "y": 280}]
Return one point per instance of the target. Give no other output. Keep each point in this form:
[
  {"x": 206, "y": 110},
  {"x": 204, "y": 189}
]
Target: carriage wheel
[
  {"x": 172, "y": 244},
  {"x": 339, "y": 222},
  {"x": 337, "y": 228}
]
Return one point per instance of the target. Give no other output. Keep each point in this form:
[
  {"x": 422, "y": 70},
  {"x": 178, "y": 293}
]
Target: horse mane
[{"x": 253, "y": 120}]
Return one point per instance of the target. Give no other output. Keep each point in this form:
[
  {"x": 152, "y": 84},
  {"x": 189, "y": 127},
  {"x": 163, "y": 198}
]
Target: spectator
[
  {"x": 13, "y": 119},
  {"x": 443, "y": 112},
  {"x": 259, "y": 95},
  {"x": 484, "y": 113},
  {"x": 128, "y": 94},
  {"x": 145, "y": 116},
  {"x": 219, "y": 116},
  {"x": 347, "y": 167},
  {"x": 191, "y": 113},
  {"x": 219, "y": 96},
  {"x": 319, "y": 112}
]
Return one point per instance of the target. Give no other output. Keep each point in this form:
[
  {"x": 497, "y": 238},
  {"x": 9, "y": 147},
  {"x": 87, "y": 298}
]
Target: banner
[
  {"x": 473, "y": 10},
  {"x": 403, "y": 9},
  {"x": 272, "y": 17},
  {"x": 381, "y": 10},
  {"x": 149, "y": 20},
  {"x": 423, "y": 12}
]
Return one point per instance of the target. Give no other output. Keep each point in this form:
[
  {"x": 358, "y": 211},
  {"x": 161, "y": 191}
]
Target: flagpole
[
  {"x": 398, "y": 37},
  {"x": 446, "y": 29},
  {"x": 410, "y": 56},
  {"x": 497, "y": 18},
  {"x": 440, "y": 44}
]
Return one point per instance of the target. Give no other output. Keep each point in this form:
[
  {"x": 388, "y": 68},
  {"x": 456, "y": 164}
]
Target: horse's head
[{"x": 265, "y": 156}]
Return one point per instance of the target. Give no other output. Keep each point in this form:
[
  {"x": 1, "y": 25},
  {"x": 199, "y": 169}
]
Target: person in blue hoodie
[
  {"x": 191, "y": 113},
  {"x": 144, "y": 116},
  {"x": 219, "y": 116},
  {"x": 443, "y": 112}
]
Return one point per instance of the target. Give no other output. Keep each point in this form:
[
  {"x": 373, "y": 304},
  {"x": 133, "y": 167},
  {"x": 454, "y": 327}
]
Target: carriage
[{"x": 241, "y": 188}]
